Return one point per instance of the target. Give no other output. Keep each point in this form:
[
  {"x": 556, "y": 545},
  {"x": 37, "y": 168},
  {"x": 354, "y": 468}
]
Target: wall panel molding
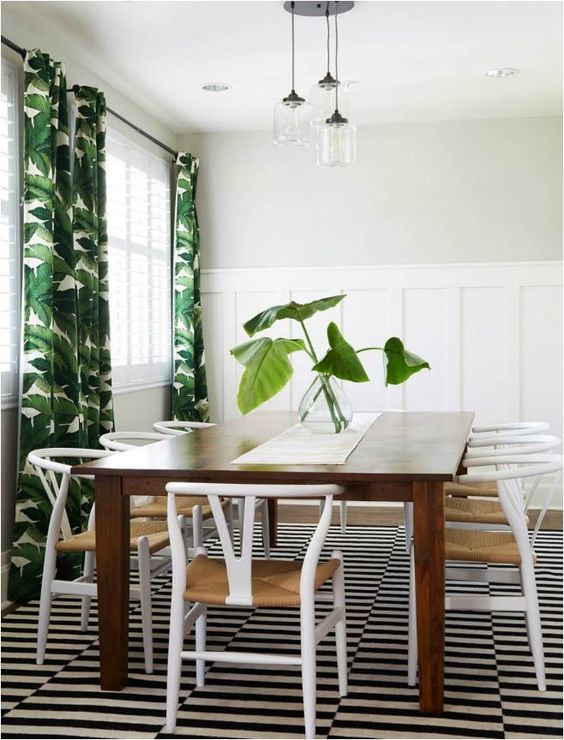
[{"x": 492, "y": 333}]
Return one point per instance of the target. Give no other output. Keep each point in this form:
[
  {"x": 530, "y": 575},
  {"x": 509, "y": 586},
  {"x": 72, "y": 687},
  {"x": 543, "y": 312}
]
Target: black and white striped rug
[{"x": 490, "y": 682}]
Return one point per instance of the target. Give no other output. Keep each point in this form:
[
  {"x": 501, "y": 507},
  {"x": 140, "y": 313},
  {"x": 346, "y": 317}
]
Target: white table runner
[{"x": 299, "y": 446}]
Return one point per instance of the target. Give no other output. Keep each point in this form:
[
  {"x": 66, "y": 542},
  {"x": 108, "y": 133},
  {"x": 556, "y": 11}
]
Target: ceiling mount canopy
[
  {"x": 313, "y": 9},
  {"x": 296, "y": 122}
]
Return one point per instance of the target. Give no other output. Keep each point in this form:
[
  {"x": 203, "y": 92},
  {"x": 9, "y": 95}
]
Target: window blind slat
[
  {"x": 138, "y": 211},
  {"x": 9, "y": 231}
]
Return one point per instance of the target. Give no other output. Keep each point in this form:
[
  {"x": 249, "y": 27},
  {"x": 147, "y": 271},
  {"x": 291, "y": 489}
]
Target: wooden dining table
[{"x": 402, "y": 457}]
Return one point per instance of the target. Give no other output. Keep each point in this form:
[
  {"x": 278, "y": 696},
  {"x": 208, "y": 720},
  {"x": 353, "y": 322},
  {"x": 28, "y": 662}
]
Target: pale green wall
[{"x": 467, "y": 191}]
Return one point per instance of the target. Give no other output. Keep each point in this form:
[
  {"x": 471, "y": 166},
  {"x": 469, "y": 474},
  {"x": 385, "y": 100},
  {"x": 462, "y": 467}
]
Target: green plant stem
[
  {"x": 337, "y": 416},
  {"x": 366, "y": 349},
  {"x": 309, "y": 342}
]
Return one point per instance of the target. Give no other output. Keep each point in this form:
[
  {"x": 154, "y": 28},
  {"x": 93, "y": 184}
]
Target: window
[
  {"x": 9, "y": 232},
  {"x": 138, "y": 210}
]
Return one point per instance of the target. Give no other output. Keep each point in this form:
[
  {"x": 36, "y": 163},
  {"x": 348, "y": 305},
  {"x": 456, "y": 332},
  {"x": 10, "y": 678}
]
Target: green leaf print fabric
[
  {"x": 65, "y": 399},
  {"x": 90, "y": 234},
  {"x": 189, "y": 389}
]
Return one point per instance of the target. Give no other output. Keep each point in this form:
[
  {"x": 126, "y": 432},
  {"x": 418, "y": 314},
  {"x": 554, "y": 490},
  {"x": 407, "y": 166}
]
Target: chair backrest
[
  {"x": 239, "y": 567},
  {"x": 511, "y": 429},
  {"x": 524, "y": 444},
  {"x": 510, "y": 470},
  {"x": 122, "y": 441},
  {"x": 57, "y": 488},
  {"x": 180, "y": 427},
  {"x": 520, "y": 444}
]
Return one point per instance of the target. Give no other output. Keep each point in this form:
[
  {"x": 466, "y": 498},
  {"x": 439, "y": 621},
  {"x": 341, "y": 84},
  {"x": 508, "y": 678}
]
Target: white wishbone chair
[
  {"x": 184, "y": 427},
  {"x": 500, "y": 443},
  {"x": 497, "y": 548},
  {"x": 456, "y": 492},
  {"x": 155, "y": 507},
  {"x": 510, "y": 429},
  {"x": 244, "y": 581},
  {"x": 147, "y": 538},
  {"x": 180, "y": 427},
  {"x": 123, "y": 441},
  {"x": 487, "y": 513},
  {"x": 485, "y": 433}
]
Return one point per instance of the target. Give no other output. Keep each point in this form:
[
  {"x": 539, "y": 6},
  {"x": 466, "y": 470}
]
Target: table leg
[
  {"x": 112, "y": 568},
  {"x": 428, "y": 538},
  {"x": 273, "y": 520}
]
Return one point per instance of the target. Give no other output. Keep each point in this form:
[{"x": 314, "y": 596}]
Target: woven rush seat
[
  {"x": 476, "y": 489},
  {"x": 274, "y": 582},
  {"x": 475, "y": 511},
  {"x": 483, "y": 547},
  {"x": 157, "y": 507},
  {"x": 156, "y": 533}
]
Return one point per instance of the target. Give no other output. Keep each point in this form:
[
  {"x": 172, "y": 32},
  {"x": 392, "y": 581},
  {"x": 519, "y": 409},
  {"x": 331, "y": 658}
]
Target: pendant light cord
[
  {"x": 328, "y": 39},
  {"x": 293, "y": 5},
  {"x": 336, "y": 56}
]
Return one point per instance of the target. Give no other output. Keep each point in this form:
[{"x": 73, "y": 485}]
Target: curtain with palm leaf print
[
  {"x": 65, "y": 402},
  {"x": 189, "y": 389},
  {"x": 90, "y": 233}
]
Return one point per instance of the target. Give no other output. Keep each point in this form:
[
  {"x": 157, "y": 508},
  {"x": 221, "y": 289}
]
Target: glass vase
[{"x": 325, "y": 409}]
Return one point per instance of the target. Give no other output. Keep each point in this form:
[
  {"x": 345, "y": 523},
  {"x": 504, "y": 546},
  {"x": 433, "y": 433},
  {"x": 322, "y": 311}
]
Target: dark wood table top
[{"x": 397, "y": 447}]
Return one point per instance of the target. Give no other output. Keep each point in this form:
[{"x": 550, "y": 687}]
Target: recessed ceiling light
[
  {"x": 216, "y": 86},
  {"x": 501, "y": 72}
]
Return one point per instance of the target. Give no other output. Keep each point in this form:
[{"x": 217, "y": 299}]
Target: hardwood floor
[{"x": 383, "y": 515}]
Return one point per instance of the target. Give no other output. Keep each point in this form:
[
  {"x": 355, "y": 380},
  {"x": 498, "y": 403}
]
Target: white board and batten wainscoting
[{"x": 492, "y": 333}]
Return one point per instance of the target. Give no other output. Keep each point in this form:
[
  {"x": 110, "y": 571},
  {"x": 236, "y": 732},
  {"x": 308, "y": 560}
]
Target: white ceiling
[{"x": 414, "y": 61}]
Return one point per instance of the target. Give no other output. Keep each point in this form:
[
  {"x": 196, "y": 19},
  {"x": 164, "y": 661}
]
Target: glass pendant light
[
  {"x": 335, "y": 139},
  {"x": 292, "y": 116},
  {"x": 323, "y": 94}
]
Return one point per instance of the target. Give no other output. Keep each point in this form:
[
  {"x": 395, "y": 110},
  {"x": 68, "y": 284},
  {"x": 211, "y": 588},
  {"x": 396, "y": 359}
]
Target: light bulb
[
  {"x": 323, "y": 100},
  {"x": 336, "y": 144},
  {"x": 292, "y": 123},
  {"x": 292, "y": 127}
]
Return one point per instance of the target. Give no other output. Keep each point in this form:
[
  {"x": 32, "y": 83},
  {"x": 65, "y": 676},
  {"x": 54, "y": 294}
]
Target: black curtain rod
[{"x": 74, "y": 88}]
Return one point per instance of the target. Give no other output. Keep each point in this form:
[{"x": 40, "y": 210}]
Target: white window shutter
[
  {"x": 10, "y": 271},
  {"x": 138, "y": 211}
]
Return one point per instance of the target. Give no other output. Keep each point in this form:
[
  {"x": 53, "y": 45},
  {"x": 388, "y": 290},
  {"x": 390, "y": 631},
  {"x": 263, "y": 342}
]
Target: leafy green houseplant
[{"x": 268, "y": 368}]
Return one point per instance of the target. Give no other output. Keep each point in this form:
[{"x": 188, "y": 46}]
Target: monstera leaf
[
  {"x": 401, "y": 364},
  {"x": 267, "y": 369},
  {"x": 267, "y": 362},
  {"x": 341, "y": 360},
  {"x": 292, "y": 310}
]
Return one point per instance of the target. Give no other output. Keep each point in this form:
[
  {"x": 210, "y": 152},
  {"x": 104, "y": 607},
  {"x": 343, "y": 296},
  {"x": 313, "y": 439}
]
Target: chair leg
[
  {"x": 184, "y": 530},
  {"x": 174, "y": 664},
  {"x": 229, "y": 518},
  {"x": 338, "y": 583},
  {"x": 343, "y": 508},
  {"x": 308, "y": 654},
  {"x": 412, "y": 628},
  {"x": 532, "y": 616},
  {"x": 201, "y": 630},
  {"x": 45, "y": 602},
  {"x": 408, "y": 522},
  {"x": 197, "y": 527},
  {"x": 88, "y": 572},
  {"x": 144, "y": 557},
  {"x": 265, "y": 527},
  {"x": 240, "y": 503}
]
